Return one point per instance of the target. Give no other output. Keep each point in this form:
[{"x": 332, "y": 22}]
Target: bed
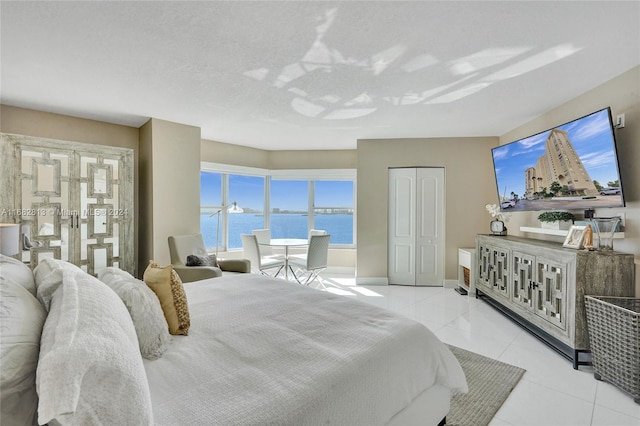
[{"x": 259, "y": 351}]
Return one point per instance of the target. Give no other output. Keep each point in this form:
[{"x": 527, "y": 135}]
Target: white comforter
[{"x": 263, "y": 351}]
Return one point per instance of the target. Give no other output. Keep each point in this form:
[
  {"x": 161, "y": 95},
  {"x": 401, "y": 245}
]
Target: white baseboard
[
  {"x": 450, "y": 283},
  {"x": 340, "y": 270},
  {"x": 372, "y": 281}
]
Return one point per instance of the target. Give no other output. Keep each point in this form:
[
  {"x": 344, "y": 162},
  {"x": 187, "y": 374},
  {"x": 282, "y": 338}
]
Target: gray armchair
[{"x": 181, "y": 246}]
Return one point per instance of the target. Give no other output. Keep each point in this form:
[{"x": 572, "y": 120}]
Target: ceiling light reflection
[
  {"x": 485, "y": 58},
  {"x": 534, "y": 62}
]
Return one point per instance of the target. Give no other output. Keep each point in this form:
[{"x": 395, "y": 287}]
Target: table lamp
[{"x": 9, "y": 239}]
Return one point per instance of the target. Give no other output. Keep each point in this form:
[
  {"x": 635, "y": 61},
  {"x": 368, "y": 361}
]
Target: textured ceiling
[{"x": 313, "y": 75}]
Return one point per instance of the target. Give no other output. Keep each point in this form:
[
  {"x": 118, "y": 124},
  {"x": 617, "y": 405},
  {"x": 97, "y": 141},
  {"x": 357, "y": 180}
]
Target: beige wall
[
  {"x": 56, "y": 126},
  {"x": 145, "y": 230},
  {"x": 622, "y": 94},
  {"x": 223, "y": 153},
  {"x": 469, "y": 184},
  {"x": 170, "y": 155}
]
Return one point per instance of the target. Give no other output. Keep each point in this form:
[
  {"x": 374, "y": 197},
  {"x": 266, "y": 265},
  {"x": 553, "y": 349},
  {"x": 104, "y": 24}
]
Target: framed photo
[{"x": 575, "y": 237}]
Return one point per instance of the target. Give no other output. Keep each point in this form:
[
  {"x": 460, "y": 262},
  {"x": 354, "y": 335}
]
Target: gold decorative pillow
[{"x": 166, "y": 284}]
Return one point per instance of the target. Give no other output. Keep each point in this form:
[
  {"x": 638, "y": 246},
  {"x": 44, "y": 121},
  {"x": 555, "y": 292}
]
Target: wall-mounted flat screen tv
[{"x": 570, "y": 167}]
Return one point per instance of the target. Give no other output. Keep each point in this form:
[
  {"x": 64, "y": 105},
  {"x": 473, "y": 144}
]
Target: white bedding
[{"x": 263, "y": 351}]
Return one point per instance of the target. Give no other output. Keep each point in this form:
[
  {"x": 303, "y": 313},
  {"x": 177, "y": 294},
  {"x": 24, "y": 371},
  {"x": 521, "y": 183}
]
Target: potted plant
[{"x": 556, "y": 220}]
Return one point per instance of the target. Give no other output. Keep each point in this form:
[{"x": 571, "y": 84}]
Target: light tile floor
[{"x": 550, "y": 393}]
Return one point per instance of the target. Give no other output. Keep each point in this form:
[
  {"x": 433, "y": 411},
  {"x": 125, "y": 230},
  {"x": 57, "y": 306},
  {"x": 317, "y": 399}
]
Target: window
[
  {"x": 287, "y": 202},
  {"x": 210, "y": 202},
  {"x": 289, "y": 209},
  {"x": 333, "y": 209}
]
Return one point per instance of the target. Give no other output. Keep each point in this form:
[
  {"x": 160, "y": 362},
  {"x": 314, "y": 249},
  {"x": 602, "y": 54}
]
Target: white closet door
[
  {"x": 430, "y": 227},
  {"x": 416, "y": 226},
  {"x": 402, "y": 227}
]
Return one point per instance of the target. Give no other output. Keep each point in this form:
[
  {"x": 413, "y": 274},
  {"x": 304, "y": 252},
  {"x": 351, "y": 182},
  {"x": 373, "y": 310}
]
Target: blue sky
[
  {"x": 248, "y": 192},
  {"x": 591, "y": 137}
]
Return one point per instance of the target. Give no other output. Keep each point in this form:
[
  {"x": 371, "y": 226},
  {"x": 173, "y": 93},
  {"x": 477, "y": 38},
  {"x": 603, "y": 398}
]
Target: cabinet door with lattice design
[
  {"x": 484, "y": 267},
  {"x": 43, "y": 202},
  {"x": 74, "y": 201},
  {"x": 500, "y": 271},
  {"x": 550, "y": 295},
  {"x": 523, "y": 279},
  {"x": 105, "y": 215}
]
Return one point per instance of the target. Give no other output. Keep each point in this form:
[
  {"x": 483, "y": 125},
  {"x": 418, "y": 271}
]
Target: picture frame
[{"x": 575, "y": 237}]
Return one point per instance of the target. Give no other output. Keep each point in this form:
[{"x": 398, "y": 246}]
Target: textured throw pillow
[
  {"x": 195, "y": 260},
  {"x": 90, "y": 371},
  {"x": 112, "y": 272},
  {"x": 166, "y": 284},
  {"x": 144, "y": 308},
  {"x": 22, "y": 317},
  {"x": 48, "y": 277},
  {"x": 16, "y": 271}
]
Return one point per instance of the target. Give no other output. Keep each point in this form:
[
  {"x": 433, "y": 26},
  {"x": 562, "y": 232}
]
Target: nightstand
[{"x": 466, "y": 271}]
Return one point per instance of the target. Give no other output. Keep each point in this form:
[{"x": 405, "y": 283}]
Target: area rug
[{"x": 490, "y": 383}]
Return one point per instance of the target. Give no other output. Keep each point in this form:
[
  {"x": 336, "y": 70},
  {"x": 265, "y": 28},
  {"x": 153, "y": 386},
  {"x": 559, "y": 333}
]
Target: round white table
[{"x": 286, "y": 243}]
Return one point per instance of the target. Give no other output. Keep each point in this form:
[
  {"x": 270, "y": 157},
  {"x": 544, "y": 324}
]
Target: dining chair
[
  {"x": 259, "y": 263},
  {"x": 264, "y": 236},
  {"x": 317, "y": 232},
  {"x": 313, "y": 262}
]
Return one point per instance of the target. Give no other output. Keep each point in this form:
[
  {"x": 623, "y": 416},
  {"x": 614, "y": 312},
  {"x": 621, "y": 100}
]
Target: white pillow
[
  {"x": 144, "y": 308},
  {"x": 16, "y": 271},
  {"x": 48, "y": 277},
  {"x": 90, "y": 370},
  {"x": 22, "y": 318},
  {"x": 106, "y": 274}
]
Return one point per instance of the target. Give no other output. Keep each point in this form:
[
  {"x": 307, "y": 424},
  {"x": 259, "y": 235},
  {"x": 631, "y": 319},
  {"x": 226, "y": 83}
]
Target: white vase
[{"x": 564, "y": 224}]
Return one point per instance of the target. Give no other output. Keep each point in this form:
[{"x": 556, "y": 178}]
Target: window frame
[{"x": 309, "y": 175}]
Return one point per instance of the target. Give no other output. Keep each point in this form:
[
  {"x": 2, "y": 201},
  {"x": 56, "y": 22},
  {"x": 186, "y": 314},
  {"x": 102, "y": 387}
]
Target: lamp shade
[{"x": 9, "y": 239}]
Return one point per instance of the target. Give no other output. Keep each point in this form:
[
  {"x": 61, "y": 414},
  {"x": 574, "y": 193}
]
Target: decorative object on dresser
[
  {"x": 499, "y": 218},
  {"x": 556, "y": 220},
  {"x": 541, "y": 285},
  {"x": 587, "y": 241},
  {"x": 575, "y": 237},
  {"x": 605, "y": 228},
  {"x": 614, "y": 333},
  {"x": 75, "y": 200}
]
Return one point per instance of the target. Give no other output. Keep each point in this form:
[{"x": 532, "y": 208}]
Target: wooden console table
[{"x": 542, "y": 285}]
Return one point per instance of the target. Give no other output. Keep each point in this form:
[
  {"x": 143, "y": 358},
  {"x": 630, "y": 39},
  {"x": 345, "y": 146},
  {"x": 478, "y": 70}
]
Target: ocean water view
[{"x": 283, "y": 225}]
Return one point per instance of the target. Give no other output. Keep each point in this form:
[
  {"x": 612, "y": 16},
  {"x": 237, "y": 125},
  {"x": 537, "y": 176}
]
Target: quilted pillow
[
  {"x": 195, "y": 260},
  {"x": 16, "y": 271},
  {"x": 166, "y": 284},
  {"x": 144, "y": 308},
  {"x": 48, "y": 277},
  {"x": 90, "y": 371},
  {"x": 22, "y": 317}
]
